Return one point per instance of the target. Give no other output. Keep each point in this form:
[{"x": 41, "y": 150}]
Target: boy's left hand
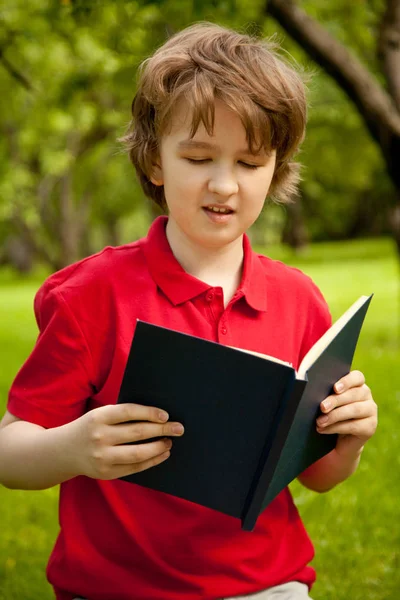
[{"x": 351, "y": 412}]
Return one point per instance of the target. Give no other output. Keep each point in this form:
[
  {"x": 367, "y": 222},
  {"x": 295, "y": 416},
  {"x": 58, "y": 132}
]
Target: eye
[
  {"x": 247, "y": 165},
  {"x": 198, "y": 160}
]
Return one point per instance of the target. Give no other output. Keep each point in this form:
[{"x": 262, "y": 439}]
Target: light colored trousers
[{"x": 287, "y": 591}]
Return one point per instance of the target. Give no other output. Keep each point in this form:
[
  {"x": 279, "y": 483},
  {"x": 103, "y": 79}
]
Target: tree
[
  {"x": 67, "y": 72},
  {"x": 378, "y": 103},
  {"x": 68, "y": 76}
]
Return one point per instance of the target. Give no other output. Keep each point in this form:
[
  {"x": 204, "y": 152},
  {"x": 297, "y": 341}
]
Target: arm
[
  {"x": 352, "y": 413},
  {"x": 32, "y": 457}
]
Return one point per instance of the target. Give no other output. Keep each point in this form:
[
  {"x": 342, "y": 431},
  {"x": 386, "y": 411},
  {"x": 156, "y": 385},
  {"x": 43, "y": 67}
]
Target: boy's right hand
[{"x": 101, "y": 440}]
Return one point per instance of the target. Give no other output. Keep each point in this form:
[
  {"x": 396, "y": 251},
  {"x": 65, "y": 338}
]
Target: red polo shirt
[{"x": 119, "y": 541}]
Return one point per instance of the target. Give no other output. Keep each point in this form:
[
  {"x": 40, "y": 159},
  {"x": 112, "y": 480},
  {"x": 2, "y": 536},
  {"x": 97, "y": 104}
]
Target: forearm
[
  {"x": 330, "y": 470},
  {"x": 34, "y": 458}
]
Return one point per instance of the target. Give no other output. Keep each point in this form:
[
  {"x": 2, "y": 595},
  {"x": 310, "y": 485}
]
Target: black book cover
[
  {"x": 297, "y": 444},
  {"x": 249, "y": 423}
]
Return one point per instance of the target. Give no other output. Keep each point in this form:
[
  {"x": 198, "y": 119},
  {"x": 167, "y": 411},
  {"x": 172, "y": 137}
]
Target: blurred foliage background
[{"x": 67, "y": 75}]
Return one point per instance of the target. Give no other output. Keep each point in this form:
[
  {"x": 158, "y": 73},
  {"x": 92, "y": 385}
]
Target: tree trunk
[
  {"x": 379, "y": 109},
  {"x": 395, "y": 224},
  {"x": 68, "y": 225},
  {"x": 18, "y": 253},
  {"x": 113, "y": 237},
  {"x": 295, "y": 232},
  {"x": 389, "y": 49}
]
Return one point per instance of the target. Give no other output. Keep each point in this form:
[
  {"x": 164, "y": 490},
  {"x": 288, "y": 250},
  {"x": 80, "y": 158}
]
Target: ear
[{"x": 156, "y": 176}]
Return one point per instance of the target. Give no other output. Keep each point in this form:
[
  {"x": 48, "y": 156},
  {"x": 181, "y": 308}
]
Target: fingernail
[
  {"x": 168, "y": 443},
  {"x": 163, "y": 416},
  {"x": 322, "y": 420},
  {"x": 177, "y": 429},
  {"x": 339, "y": 387},
  {"x": 326, "y": 405}
]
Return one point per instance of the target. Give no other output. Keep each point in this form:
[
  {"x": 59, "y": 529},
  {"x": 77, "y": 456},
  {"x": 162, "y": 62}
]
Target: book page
[
  {"x": 328, "y": 336},
  {"x": 266, "y": 356}
]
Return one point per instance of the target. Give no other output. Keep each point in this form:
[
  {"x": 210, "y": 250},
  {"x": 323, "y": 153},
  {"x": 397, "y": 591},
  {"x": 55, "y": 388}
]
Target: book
[{"x": 250, "y": 420}]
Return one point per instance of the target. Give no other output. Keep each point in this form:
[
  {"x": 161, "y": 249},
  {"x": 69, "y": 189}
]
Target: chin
[{"x": 220, "y": 240}]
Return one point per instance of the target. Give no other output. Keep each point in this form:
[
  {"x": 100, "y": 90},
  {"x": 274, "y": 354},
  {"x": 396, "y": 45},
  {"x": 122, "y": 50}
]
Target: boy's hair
[{"x": 206, "y": 62}]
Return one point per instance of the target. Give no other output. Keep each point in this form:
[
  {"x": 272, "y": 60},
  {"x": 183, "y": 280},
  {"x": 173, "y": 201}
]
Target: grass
[{"x": 354, "y": 527}]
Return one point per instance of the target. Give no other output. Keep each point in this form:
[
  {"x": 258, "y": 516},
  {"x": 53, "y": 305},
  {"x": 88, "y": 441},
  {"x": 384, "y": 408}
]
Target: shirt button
[
  {"x": 210, "y": 296},
  {"x": 224, "y": 330}
]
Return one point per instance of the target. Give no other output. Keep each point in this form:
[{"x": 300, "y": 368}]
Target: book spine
[{"x": 271, "y": 452}]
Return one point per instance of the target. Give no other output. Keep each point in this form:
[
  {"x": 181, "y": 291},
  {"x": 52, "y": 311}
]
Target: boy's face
[{"x": 207, "y": 174}]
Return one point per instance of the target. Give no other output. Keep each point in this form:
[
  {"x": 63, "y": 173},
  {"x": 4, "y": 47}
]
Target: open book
[
  {"x": 249, "y": 425},
  {"x": 324, "y": 341}
]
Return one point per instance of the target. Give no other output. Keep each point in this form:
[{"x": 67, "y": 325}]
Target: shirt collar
[
  {"x": 254, "y": 281},
  {"x": 179, "y": 286}
]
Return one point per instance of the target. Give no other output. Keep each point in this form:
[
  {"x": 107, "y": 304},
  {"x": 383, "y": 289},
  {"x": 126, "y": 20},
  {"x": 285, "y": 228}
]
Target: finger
[
  {"x": 352, "y": 379},
  {"x": 124, "y": 470},
  {"x": 120, "y": 413},
  {"x": 354, "y": 394},
  {"x": 361, "y": 428},
  {"x": 133, "y": 432},
  {"x": 355, "y": 410},
  {"x": 134, "y": 454}
]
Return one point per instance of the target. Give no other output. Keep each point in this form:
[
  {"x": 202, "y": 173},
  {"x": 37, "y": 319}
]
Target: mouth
[{"x": 221, "y": 210}]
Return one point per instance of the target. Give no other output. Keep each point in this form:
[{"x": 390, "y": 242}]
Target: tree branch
[
  {"x": 17, "y": 75},
  {"x": 389, "y": 48},
  {"x": 91, "y": 138},
  {"x": 373, "y": 102}
]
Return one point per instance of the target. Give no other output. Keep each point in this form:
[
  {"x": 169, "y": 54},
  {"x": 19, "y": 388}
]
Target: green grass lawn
[{"x": 354, "y": 527}]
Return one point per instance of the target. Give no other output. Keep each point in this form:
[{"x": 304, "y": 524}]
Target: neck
[{"x": 217, "y": 266}]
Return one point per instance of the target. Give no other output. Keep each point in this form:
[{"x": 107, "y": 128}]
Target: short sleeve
[
  {"x": 318, "y": 320},
  {"x": 54, "y": 384}
]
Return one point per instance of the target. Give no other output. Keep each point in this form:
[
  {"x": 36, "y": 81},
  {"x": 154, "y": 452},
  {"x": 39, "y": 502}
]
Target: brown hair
[{"x": 204, "y": 62}]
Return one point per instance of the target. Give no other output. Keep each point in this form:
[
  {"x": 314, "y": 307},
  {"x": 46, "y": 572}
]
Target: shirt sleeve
[
  {"x": 318, "y": 321},
  {"x": 54, "y": 384}
]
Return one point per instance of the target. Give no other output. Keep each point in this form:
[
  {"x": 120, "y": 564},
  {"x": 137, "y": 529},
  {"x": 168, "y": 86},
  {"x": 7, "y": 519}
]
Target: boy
[{"x": 216, "y": 121}]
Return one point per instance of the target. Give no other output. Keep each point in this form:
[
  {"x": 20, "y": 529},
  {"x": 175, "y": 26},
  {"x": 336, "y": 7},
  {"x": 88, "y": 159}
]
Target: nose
[{"x": 223, "y": 183}]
